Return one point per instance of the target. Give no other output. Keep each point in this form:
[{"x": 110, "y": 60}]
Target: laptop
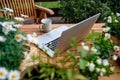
[{"x": 58, "y": 39}]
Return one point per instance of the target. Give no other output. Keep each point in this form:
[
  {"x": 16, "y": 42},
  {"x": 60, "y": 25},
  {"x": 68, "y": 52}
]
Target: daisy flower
[
  {"x": 32, "y": 39},
  {"x": 114, "y": 57},
  {"x": 2, "y": 39},
  {"x": 18, "y": 37},
  {"x": 3, "y": 73},
  {"x": 14, "y": 75},
  {"x": 8, "y": 9},
  {"x": 24, "y": 16},
  {"x": 116, "y": 48},
  {"x": 19, "y": 19},
  {"x": 17, "y": 25}
]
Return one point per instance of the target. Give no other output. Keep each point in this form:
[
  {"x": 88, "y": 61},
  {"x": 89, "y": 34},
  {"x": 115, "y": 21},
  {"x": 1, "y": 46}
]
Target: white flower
[
  {"x": 107, "y": 36},
  {"x": 2, "y": 39},
  {"x": 109, "y": 19},
  {"x": 88, "y": 64},
  {"x": 24, "y": 16},
  {"x": 93, "y": 49},
  {"x": 18, "y": 37},
  {"x": 105, "y": 62},
  {"x": 14, "y": 75},
  {"x": 91, "y": 67},
  {"x": 32, "y": 39},
  {"x": 19, "y": 19},
  {"x": 101, "y": 73},
  {"x": 116, "y": 48},
  {"x": 118, "y": 14},
  {"x": 18, "y": 25},
  {"x": 103, "y": 70},
  {"x": 5, "y": 31},
  {"x": 34, "y": 34},
  {"x": 82, "y": 43},
  {"x": 98, "y": 70},
  {"x": 25, "y": 53},
  {"x": 3, "y": 73},
  {"x": 7, "y": 27},
  {"x": 8, "y": 9},
  {"x": 27, "y": 56},
  {"x": 11, "y": 28},
  {"x": 106, "y": 29},
  {"x": 86, "y": 48},
  {"x": 112, "y": 69},
  {"x": 114, "y": 57},
  {"x": 99, "y": 61},
  {"x": 116, "y": 20}
]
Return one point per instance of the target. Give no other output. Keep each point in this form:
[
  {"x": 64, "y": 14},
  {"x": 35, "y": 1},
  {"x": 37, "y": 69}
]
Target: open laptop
[{"x": 58, "y": 39}]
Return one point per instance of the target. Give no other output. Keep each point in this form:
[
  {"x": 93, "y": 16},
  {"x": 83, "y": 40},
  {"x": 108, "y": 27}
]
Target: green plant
[
  {"x": 103, "y": 43},
  {"x": 50, "y": 71},
  {"x": 11, "y": 46},
  {"x": 95, "y": 54},
  {"x": 77, "y": 10},
  {"x": 113, "y": 22},
  {"x": 91, "y": 63},
  {"x": 114, "y": 5}
]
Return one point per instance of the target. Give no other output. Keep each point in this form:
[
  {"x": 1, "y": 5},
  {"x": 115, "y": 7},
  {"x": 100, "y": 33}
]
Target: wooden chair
[{"x": 26, "y": 7}]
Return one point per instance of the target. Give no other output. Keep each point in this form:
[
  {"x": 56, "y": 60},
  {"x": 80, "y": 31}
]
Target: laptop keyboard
[{"x": 52, "y": 44}]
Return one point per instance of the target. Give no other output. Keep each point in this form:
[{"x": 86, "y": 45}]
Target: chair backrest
[{"x": 19, "y": 7}]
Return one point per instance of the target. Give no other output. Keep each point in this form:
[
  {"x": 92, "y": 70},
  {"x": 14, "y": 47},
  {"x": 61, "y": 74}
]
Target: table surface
[
  {"x": 35, "y": 27},
  {"x": 34, "y": 50}
]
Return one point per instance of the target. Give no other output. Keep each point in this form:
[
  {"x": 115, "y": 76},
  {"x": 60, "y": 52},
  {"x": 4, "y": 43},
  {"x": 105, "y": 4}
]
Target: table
[
  {"x": 35, "y": 27},
  {"x": 34, "y": 50}
]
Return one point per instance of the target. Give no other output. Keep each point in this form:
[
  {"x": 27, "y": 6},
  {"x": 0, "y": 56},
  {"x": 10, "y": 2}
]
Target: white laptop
[{"x": 58, "y": 39}]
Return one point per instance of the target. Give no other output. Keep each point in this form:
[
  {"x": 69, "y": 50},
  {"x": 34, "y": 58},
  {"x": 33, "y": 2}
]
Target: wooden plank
[{"x": 111, "y": 77}]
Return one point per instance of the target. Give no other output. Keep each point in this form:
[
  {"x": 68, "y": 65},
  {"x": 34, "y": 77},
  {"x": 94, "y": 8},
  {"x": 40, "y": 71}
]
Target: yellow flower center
[
  {"x": 17, "y": 37},
  {"x": 13, "y": 76},
  {"x": 1, "y": 74}
]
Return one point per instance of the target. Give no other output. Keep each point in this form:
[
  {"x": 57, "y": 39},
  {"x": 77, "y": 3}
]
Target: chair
[{"x": 26, "y": 7}]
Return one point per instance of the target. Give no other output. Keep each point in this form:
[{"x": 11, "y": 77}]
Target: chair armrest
[
  {"x": 49, "y": 11},
  {"x": 1, "y": 13}
]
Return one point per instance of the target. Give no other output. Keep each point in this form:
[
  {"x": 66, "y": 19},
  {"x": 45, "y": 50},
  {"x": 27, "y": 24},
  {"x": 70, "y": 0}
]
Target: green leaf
[
  {"x": 28, "y": 71},
  {"x": 82, "y": 63},
  {"x": 80, "y": 77},
  {"x": 82, "y": 52}
]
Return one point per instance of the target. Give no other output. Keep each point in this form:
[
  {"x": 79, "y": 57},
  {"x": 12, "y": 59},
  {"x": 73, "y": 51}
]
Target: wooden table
[
  {"x": 35, "y": 27},
  {"x": 34, "y": 50}
]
